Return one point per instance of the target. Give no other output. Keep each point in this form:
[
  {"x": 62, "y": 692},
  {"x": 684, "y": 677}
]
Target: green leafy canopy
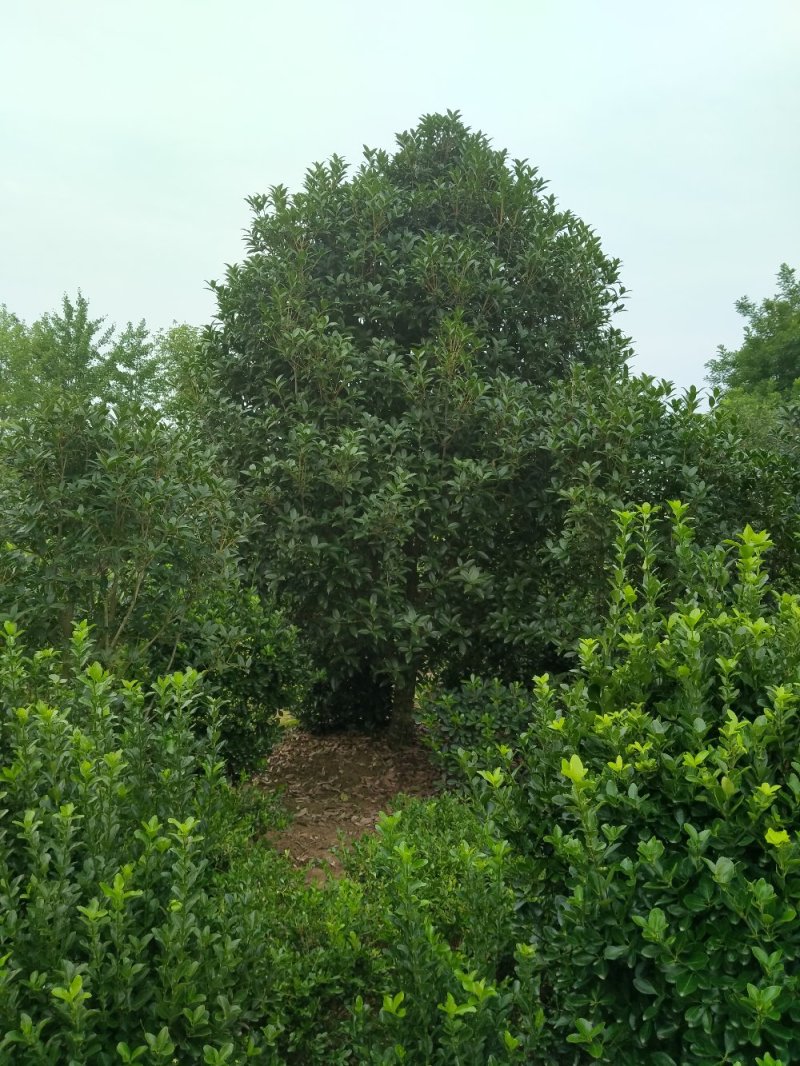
[
  {"x": 768, "y": 360},
  {"x": 372, "y": 370}
]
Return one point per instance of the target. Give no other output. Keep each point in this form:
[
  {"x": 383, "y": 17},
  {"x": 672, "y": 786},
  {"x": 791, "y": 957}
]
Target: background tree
[
  {"x": 115, "y": 511},
  {"x": 371, "y": 371},
  {"x": 70, "y": 353},
  {"x": 769, "y": 358},
  {"x": 759, "y": 380}
]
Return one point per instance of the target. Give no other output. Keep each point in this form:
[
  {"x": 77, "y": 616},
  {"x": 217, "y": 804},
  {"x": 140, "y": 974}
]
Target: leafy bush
[
  {"x": 410, "y": 957},
  {"x": 140, "y": 924},
  {"x": 609, "y": 440},
  {"x": 116, "y": 945},
  {"x": 655, "y": 804},
  {"x": 129, "y": 521},
  {"x": 621, "y": 888},
  {"x": 590, "y": 444},
  {"x": 114, "y": 516},
  {"x": 253, "y": 661},
  {"x": 454, "y": 842},
  {"x": 477, "y": 716},
  {"x": 436, "y": 893}
]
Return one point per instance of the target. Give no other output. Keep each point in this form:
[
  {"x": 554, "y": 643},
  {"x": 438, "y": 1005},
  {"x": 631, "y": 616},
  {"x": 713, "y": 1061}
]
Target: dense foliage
[
  {"x": 609, "y": 441},
  {"x": 590, "y": 444},
  {"x": 769, "y": 358},
  {"x": 620, "y": 887},
  {"x": 653, "y": 805},
  {"x": 408, "y": 432},
  {"x": 371, "y": 371},
  {"x": 140, "y": 922},
  {"x": 114, "y": 943},
  {"x": 113, "y": 513}
]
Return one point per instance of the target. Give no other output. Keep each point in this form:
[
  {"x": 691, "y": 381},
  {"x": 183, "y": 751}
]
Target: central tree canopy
[
  {"x": 446, "y": 226},
  {"x": 373, "y": 368}
]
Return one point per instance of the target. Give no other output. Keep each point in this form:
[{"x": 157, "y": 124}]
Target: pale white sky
[{"x": 130, "y": 133}]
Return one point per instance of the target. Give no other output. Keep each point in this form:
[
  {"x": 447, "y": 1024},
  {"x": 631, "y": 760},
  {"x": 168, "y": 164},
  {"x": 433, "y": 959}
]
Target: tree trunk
[{"x": 401, "y": 727}]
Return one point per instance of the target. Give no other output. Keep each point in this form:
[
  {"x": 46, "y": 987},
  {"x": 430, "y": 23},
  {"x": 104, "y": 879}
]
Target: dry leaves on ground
[{"x": 337, "y": 785}]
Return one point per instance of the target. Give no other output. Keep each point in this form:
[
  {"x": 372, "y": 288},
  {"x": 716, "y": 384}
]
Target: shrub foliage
[
  {"x": 115, "y": 945},
  {"x": 653, "y": 802}
]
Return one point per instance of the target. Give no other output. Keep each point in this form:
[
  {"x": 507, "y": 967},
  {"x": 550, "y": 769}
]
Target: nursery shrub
[
  {"x": 142, "y": 923},
  {"x": 449, "y": 835},
  {"x": 115, "y": 944},
  {"x": 653, "y": 801},
  {"x": 123, "y": 518},
  {"x": 449, "y": 989},
  {"x": 478, "y": 715},
  {"x": 253, "y": 660},
  {"x": 608, "y": 440}
]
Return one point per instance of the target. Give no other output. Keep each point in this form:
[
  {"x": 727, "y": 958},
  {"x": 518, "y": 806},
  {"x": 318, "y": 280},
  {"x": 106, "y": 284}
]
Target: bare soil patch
[{"x": 336, "y": 786}]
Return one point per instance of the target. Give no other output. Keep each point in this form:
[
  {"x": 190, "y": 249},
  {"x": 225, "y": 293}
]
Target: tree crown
[{"x": 768, "y": 360}]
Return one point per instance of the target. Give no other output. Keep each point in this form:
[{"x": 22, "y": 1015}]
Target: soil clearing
[{"x": 335, "y": 787}]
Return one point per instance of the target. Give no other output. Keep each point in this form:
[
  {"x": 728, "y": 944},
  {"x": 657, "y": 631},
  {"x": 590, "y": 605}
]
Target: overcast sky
[{"x": 130, "y": 133}]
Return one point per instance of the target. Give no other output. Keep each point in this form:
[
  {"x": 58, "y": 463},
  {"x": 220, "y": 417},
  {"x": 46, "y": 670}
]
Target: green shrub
[
  {"x": 141, "y": 922},
  {"x": 252, "y": 659},
  {"x": 127, "y": 520},
  {"x": 655, "y": 805},
  {"x": 410, "y": 957},
  {"x": 477, "y": 716},
  {"x": 115, "y": 943},
  {"x": 113, "y": 515},
  {"x": 449, "y": 988},
  {"x": 456, "y": 844},
  {"x": 608, "y": 440}
]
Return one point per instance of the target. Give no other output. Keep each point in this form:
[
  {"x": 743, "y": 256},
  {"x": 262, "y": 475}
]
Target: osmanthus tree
[{"x": 372, "y": 371}]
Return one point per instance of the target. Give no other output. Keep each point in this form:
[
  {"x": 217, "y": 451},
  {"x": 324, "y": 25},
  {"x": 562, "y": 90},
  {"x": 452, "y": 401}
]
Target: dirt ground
[{"x": 338, "y": 784}]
